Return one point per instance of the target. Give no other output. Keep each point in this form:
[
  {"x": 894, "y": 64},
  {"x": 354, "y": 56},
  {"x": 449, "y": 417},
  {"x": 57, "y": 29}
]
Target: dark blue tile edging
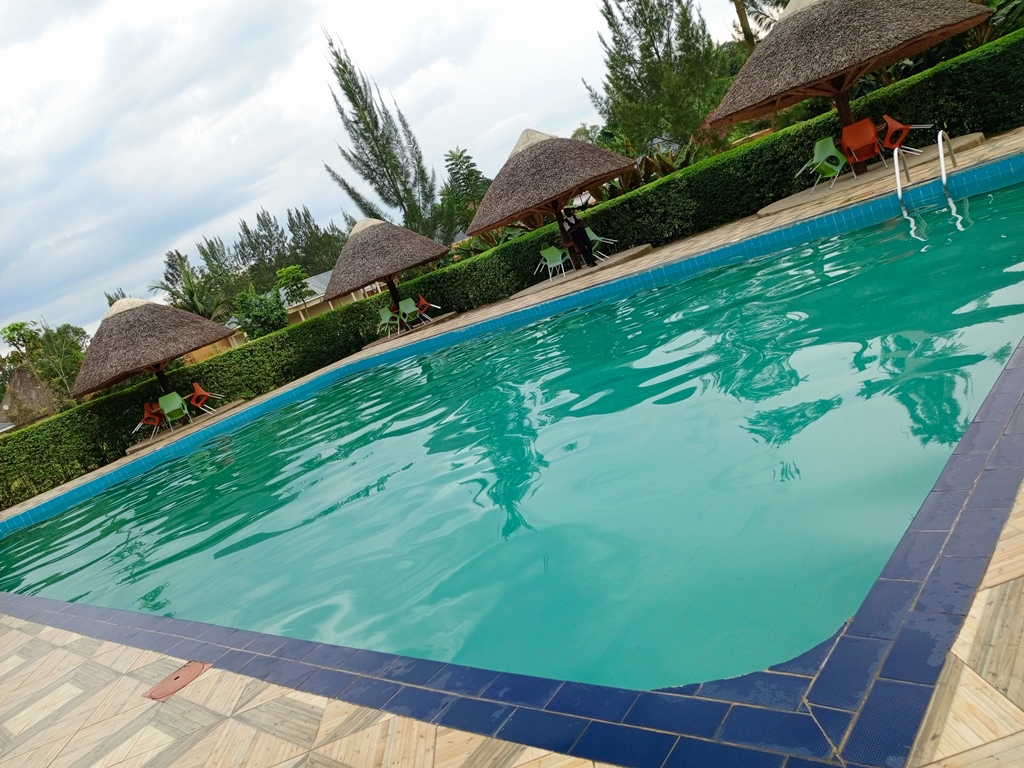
[{"x": 859, "y": 696}]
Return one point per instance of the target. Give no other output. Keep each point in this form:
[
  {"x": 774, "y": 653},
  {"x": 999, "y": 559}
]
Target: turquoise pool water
[{"x": 694, "y": 482}]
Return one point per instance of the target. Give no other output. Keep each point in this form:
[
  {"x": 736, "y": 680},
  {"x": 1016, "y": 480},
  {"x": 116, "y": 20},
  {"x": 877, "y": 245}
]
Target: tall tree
[
  {"x": 383, "y": 152},
  {"x": 197, "y": 293},
  {"x": 117, "y": 295},
  {"x": 664, "y": 72},
  {"x": 460, "y": 195},
  {"x": 175, "y": 264},
  {"x": 261, "y": 250},
  {"x": 54, "y": 355},
  {"x": 741, "y": 15},
  {"x": 311, "y": 246}
]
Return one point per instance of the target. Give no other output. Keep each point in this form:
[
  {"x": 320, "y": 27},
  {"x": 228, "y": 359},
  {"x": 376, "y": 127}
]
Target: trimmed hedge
[{"x": 978, "y": 91}]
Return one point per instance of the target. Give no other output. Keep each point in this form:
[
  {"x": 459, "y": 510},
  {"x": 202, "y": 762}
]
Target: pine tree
[
  {"x": 664, "y": 72},
  {"x": 384, "y": 152}
]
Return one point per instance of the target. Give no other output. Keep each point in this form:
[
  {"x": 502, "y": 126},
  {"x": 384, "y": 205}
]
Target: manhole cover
[{"x": 175, "y": 681}]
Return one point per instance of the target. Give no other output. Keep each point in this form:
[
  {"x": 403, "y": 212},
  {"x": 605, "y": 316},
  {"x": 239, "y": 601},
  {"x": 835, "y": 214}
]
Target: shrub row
[{"x": 978, "y": 91}]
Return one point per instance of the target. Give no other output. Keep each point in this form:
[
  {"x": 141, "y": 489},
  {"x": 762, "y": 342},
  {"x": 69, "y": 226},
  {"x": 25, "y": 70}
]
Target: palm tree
[
  {"x": 196, "y": 294},
  {"x": 763, "y": 13},
  {"x": 741, "y": 14}
]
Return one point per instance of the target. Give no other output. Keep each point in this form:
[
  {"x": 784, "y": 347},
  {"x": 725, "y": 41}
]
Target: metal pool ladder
[{"x": 945, "y": 144}]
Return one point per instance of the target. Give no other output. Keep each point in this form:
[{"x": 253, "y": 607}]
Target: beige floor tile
[
  {"x": 453, "y": 748},
  {"x": 44, "y": 707},
  {"x": 241, "y": 744},
  {"x": 122, "y": 695},
  {"x": 256, "y": 693},
  {"x": 364, "y": 749},
  {"x": 410, "y": 744},
  {"x": 216, "y": 690},
  {"x": 39, "y": 757},
  {"x": 341, "y": 719},
  {"x": 975, "y": 714},
  {"x": 558, "y": 761},
  {"x": 121, "y": 658},
  {"x": 287, "y": 718},
  {"x": 1004, "y": 753}
]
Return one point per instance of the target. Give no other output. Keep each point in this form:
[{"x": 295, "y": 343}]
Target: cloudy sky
[{"x": 128, "y": 129}]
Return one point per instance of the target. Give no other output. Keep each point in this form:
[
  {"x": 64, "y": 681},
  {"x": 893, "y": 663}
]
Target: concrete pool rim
[{"x": 863, "y": 692}]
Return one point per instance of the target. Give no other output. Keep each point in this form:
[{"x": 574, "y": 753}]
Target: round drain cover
[{"x": 174, "y": 682}]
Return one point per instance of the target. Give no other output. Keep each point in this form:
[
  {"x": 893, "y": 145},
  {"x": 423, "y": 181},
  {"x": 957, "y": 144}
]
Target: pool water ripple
[{"x": 695, "y": 482}]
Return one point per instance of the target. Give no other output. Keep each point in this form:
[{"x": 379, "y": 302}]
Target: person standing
[{"x": 574, "y": 227}]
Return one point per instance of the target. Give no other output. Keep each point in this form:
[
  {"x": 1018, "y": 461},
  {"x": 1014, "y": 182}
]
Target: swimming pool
[{"x": 721, "y": 466}]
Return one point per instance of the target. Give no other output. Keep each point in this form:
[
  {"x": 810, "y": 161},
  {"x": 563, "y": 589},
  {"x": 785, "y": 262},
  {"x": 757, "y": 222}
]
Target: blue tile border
[{"x": 859, "y": 697}]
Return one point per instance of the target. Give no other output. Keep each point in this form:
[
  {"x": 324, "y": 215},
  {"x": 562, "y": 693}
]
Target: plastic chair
[
  {"x": 596, "y": 240},
  {"x": 423, "y": 305},
  {"x": 554, "y": 259},
  {"x": 828, "y": 162},
  {"x": 199, "y": 397},
  {"x": 152, "y": 416},
  {"x": 896, "y": 132},
  {"x": 174, "y": 408},
  {"x": 407, "y": 312},
  {"x": 860, "y": 143},
  {"x": 388, "y": 318}
]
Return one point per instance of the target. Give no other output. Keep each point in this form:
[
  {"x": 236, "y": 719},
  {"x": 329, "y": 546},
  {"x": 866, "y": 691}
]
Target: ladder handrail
[
  {"x": 906, "y": 173},
  {"x": 948, "y": 144}
]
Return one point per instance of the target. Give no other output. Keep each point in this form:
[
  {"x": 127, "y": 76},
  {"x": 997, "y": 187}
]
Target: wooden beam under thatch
[
  {"x": 822, "y": 47},
  {"x": 136, "y": 336},
  {"x": 542, "y": 175}
]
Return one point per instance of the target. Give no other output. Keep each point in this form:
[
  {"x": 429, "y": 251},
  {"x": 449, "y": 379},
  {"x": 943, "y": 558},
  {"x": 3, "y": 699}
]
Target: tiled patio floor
[{"x": 68, "y": 701}]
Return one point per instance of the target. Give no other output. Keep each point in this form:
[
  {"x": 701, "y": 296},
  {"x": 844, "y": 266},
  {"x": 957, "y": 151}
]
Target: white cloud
[{"x": 133, "y": 128}]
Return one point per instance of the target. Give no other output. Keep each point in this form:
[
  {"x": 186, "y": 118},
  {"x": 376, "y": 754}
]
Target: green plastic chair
[
  {"x": 828, "y": 162},
  {"x": 408, "y": 311},
  {"x": 596, "y": 240},
  {"x": 174, "y": 408},
  {"x": 387, "y": 320},
  {"x": 554, "y": 259}
]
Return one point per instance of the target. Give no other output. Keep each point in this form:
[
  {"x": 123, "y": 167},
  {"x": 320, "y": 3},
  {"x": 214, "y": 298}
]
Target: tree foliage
[
  {"x": 260, "y": 313},
  {"x": 383, "y": 151},
  {"x": 664, "y": 72},
  {"x": 54, "y": 355},
  {"x": 261, "y": 250},
  {"x": 291, "y": 281},
  {"x": 196, "y": 291},
  {"x": 461, "y": 194},
  {"x": 312, "y": 247}
]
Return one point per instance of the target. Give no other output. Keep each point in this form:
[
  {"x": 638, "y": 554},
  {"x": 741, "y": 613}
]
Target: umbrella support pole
[
  {"x": 165, "y": 383},
  {"x": 575, "y": 256}
]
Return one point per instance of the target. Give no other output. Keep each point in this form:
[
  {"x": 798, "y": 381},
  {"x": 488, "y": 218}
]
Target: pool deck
[{"x": 74, "y": 699}]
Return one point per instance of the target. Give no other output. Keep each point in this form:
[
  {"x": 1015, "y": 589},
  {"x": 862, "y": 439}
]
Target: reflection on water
[{"x": 694, "y": 482}]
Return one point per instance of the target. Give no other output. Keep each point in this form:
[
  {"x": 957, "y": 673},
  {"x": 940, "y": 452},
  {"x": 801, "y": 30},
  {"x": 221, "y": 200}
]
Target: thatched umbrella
[
  {"x": 378, "y": 250},
  {"x": 822, "y": 47},
  {"x": 139, "y": 336},
  {"x": 542, "y": 174}
]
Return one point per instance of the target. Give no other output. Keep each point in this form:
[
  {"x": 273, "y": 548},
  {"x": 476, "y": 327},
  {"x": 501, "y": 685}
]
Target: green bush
[{"x": 978, "y": 91}]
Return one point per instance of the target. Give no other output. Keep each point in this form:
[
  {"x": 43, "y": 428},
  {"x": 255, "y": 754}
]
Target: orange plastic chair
[
  {"x": 896, "y": 132},
  {"x": 151, "y": 416},
  {"x": 199, "y": 397},
  {"x": 423, "y": 305},
  {"x": 860, "y": 142}
]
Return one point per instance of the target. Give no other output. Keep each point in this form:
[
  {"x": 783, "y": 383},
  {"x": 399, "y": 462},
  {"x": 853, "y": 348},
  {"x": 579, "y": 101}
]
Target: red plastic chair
[
  {"x": 860, "y": 142},
  {"x": 199, "y": 397},
  {"x": 896, "y": 132},
  {"x": 422, "y": 305},
  {"x": 151, "y": 416}
]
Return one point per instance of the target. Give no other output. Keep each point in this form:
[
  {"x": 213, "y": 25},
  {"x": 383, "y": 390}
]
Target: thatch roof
[
  {"x": 377, "y": 249},
  {"x": 542, "y": 173},
  {"x": 822, "y": 47},
  {"x": 138, "y": 335},
  {"x": 27, "y": 399}
]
